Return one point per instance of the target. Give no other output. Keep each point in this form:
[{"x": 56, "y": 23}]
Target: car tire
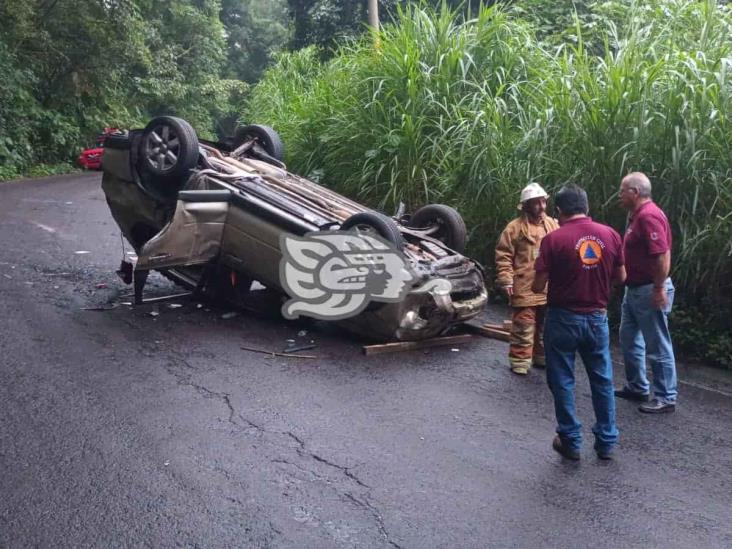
[
  {"x": 383, "y": 226},
  {"x": 265, "y": 136},
  {"x": 451, "y": 227},
  {"x": 168, "y": 151}
]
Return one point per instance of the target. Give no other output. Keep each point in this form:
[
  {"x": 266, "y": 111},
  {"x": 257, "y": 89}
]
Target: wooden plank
[
  {"x": 493, "y": 333},
  {"x": 413, "y": 345},
  {"x": 166, "y": 297},
  {"x": 272, "y": 353}
]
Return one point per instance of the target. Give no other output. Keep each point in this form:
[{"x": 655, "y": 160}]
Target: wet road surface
[{"x": 120, "y": 428}]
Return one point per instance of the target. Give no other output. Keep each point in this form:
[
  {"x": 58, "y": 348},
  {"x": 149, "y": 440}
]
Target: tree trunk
[{"x": 374, "y": 14}]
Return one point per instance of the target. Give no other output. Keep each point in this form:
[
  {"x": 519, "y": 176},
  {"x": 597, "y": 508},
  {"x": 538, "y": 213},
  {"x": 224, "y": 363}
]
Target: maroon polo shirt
[
  {"x": 648, "y": 235},
  {"x": 580, "y": 258}
]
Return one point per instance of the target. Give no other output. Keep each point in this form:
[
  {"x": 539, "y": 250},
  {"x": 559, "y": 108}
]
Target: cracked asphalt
[{"x": 119, "y": 428}]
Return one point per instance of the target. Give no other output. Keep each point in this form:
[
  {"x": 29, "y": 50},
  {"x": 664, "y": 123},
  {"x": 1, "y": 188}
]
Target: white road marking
[
  {"x": 44, "y": 227},
  {"x": 691, "y": 384},
  {"x": 705, "y": 388}
]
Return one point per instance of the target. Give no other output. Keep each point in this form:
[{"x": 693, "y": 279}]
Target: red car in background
[{"x": 91, "y": 158}]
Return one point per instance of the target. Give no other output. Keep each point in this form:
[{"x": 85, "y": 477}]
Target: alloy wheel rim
[{"x": 162, "y": 148}]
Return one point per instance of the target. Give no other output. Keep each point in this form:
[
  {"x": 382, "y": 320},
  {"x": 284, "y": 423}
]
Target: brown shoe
[
  {"x": 627, "y": 394},
  {"x": 560, "y": 448}
]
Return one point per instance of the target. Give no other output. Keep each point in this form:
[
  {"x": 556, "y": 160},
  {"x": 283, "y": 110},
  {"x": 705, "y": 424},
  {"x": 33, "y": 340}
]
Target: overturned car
[{"x": 215, "y": 217}]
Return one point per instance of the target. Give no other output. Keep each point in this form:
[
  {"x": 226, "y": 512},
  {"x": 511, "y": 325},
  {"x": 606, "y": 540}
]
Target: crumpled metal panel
[{"x": 192, "y": 237}]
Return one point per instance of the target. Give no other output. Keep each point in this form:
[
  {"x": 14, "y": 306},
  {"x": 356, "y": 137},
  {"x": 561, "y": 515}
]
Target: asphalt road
[{"x": 119, "y": 428}]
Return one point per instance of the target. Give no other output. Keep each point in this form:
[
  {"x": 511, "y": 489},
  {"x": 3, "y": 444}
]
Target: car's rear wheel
[
  {"x": 265, "y": 136},
  {"x": 168, "y": 152},
  {"x": 443, "y": 223},
  {"x": 375, "y": 223}
]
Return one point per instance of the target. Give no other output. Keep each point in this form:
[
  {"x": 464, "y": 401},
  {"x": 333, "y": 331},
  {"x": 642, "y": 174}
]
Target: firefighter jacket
[{"x": 516, "y": 252}]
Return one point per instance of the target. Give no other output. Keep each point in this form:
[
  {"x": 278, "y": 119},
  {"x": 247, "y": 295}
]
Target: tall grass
[{"x": 468, "y": 112}]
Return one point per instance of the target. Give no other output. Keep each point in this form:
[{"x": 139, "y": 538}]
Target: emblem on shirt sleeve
[{"x": 654, "y": 236}]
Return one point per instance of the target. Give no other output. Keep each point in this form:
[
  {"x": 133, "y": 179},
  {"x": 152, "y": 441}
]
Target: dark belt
[
  {"x": 638, "y": 284},
  {"x": 603, "y": 311}
]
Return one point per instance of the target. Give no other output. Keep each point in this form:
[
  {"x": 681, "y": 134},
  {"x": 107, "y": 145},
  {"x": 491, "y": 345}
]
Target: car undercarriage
[{"x": 212, "y": 216}]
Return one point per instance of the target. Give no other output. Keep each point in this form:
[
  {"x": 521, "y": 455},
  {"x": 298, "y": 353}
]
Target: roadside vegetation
[
  {"x": 457, "y": 103},
  {"x": 69, "y": 68},
  {"x": 467, "y": 111}
]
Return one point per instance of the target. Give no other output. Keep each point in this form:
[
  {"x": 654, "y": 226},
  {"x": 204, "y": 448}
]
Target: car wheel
[
  {"x": 168, "y": 150},
  {"x": 267, "y": 138},
  {"x": 375, "y": 223},
  {"x": 445, "y": 224}
]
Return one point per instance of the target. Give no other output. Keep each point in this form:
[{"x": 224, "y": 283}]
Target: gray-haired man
[{"x": 649, "y": 295}]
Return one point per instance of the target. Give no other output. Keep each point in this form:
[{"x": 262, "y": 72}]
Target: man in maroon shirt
[
  {"x": 580, "y": 260},
  {"x": 649, "y": 295}
]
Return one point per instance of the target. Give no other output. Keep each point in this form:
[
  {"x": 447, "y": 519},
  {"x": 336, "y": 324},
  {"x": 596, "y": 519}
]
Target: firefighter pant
[{"x": 527, "y": 337}]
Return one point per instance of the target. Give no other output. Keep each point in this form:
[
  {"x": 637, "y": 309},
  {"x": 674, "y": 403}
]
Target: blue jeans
[
  {"x": 644, "y": 335},
  {"x": 565, "y": 334}
]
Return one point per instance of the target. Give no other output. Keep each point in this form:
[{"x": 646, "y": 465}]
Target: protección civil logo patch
[{"x": 590, "y": 250}]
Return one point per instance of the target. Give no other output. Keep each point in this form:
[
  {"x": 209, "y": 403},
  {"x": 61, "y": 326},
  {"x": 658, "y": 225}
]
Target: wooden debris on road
[
  {"x": 294, "y": 349},
  {"x": 272, "y": 353},
  {"x": 487, "y": 330},
  {"x": 165, "y": 297},
  {"x": 413, "y": 345}
]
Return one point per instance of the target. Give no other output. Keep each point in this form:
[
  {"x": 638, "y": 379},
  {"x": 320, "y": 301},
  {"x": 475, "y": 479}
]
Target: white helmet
[{"x": 532, "y": 190}]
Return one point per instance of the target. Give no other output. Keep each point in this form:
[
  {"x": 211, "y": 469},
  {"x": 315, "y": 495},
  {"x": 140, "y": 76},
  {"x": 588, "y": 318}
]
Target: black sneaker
[
  {"x": 657, "y": 407},
  {"x": 627, "y": 394},
  {"x": 559, "y": 447}
]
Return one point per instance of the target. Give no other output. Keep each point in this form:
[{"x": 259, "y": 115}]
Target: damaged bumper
[{"x": 418, "y": 316}]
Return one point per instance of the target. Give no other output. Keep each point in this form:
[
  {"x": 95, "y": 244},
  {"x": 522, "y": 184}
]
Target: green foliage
[
  {"x": 43, "y": 170},
  {"x": 184, "y": 77},
  {"x": 557, "y": 22},
  {"x": 701, "y": 334},
  {"x": 70, "y": 67},
  {"x": 290, "y": 87},
  {"x": 324, "y": 23},
  {"x": 15, "y": 100},
  {"x": 468, "y": 112},
  {"x": 255, "y": 30},
  {"x": 327, "y": 23}
]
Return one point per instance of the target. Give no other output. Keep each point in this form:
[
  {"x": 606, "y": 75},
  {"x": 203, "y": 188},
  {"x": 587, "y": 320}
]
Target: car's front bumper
[{"x": 419, "y": 316}]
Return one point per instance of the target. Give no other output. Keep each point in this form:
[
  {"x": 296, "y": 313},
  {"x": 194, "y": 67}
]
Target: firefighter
[{"x": 516, "y": 251}]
